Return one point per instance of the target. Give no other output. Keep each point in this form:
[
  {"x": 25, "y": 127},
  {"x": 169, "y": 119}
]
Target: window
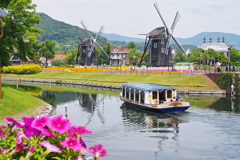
[
  {"x": 142, "y": 97},
  {"x": 132, "y": 94},
  {"x": 127, "y": 93},
  {"x": 162, "y": 50},
  {"x": 123, "y": 92},
  {"x": 169, "y": 94},
  {"x": 137, "y": 95},
  {"x": 83, "y": 51},
  {"x": 162, "y": 41},
  {"x": 155, "y": 45},
  {"x": 154, "y": 95}
]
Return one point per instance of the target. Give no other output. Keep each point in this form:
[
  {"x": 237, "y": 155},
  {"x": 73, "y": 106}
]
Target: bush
[{"x": 23, "y": 69}]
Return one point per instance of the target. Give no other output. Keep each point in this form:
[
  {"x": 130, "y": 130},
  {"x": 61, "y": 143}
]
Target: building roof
[
  {"x": 146, "y": 86},
  {"x": 86, "y": 42},
  {"x": 217, "y": 46},
  {"x": 119, "y": 50},
  {"x": 59, "y": 56}
]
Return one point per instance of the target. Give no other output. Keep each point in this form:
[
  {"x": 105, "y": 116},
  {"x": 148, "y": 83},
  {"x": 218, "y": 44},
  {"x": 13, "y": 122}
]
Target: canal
[{"x": 209, "y": 129}]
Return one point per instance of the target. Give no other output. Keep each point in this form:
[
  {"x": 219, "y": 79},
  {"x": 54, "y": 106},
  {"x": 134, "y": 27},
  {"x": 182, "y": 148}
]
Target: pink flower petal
[
  {"x": 50, "y": 147},
  {"x": 59, "y": 124}
]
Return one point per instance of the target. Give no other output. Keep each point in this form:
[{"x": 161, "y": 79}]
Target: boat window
[
  {"x": 154, "y": 95},
  {"x": 132, "y": 94},
  {"x": 142, "y": 97},
  {"x": 137, "y": 95},
  {"x": 123, "y": 91},
  {"x": 161, "y": 96},
  {"x": 127, "y": 93},
  {"x": 169, "y": 94}
]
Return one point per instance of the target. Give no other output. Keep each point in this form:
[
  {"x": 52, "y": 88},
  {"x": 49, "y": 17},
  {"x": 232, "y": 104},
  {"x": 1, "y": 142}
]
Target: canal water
[{"x": 208, "y": 130}]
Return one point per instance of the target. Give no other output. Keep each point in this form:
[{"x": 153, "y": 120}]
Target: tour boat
[{"x": 153, "y": 97}]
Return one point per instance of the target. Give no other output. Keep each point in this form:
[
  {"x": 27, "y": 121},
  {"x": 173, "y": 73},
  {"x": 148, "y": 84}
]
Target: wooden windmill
[
  {"x": 86, "y": 49},
  {"x": 158, "y": 43}
]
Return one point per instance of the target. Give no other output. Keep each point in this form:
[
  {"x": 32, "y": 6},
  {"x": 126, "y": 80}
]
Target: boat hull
[{"x": 163, "y": 110}]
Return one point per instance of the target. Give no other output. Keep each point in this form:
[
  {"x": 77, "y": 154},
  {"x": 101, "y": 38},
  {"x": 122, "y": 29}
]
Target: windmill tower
[
  {"x": 86, "y": 49},
  {"x": 158, "y": 43}
]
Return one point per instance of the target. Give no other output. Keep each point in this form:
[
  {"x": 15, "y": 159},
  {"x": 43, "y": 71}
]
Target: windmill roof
[
  {"x": 217, "y": 46},
  {"x": 159, "y": 32},
  {"x": 86, "y": 42}
]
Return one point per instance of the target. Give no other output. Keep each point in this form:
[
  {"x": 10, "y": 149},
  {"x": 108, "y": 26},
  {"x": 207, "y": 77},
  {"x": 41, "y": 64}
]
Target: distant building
[
  {"x": 15, "y": 61},
  {"x": 219, "y": 46},
  {"x": 118, "y": 56}
]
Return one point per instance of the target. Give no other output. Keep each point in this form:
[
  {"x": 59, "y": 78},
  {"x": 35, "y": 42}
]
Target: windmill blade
[
  {"x": 156, "y": 6},
  {"x": 78, "y": 53},
  {"x": 99, "y": 33},
  {"x": 176, "y": 19},
  {"x": 85, "y": 27},
  {"x": 146, "y": 45},
  {"x": 104, "y": 53},
  {"x": 91, "y": 49},
  {"x": 179, "y": 45}
]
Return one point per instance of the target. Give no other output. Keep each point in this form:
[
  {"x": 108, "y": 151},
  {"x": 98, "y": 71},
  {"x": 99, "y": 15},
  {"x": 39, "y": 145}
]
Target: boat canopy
[{"x": 146, "y": 86}]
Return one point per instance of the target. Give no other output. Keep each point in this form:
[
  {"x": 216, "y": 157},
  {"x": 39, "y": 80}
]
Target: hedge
[{"x": 23, "y": 69}]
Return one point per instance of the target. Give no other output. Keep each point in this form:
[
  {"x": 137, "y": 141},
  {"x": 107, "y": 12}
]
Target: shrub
[{"x": 23, "y": 69}]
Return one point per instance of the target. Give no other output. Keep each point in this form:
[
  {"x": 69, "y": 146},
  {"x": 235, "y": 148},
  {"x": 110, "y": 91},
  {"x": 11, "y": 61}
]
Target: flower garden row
[{"x": 46, "y": 138}]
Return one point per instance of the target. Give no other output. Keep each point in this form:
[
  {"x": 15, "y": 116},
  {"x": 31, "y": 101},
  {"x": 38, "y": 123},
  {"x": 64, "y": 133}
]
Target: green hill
[{"x": 63, "y": 33}]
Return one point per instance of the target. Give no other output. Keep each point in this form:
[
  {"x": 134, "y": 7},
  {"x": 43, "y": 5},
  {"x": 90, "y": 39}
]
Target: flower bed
[{"x": 45, "y": 138}]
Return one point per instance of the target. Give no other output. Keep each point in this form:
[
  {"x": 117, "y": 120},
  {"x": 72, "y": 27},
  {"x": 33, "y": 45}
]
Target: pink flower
[
  {"x": 2, "y": 134},
  {"x": 31, "y": 149},
  {"x": 47, "y": 132},
  {"x": 50, "y": 147},
  {"x": 4, "y": 150},
  {"x": 40, "y": 122},
  {"x": 20, "y": 136},
  {"x": 78, "y": 130},
  {"x": 14, "y": 122},
  {"x": 59, "y": 124},
  {"x": 98, "y": 151},
  {"x": 30, "y": 131},
  {"x": 71, "y": 143}
]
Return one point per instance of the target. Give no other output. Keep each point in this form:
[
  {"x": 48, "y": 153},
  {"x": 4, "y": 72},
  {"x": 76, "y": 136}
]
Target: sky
[{"x": 133, "y": 17}]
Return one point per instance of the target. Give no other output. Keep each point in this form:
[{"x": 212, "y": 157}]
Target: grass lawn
[
  {"x": 181, "y": 82},
  {"x": 17, "y": 104}
]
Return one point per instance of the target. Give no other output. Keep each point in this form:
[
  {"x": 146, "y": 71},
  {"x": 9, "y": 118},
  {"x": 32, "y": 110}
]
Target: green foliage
[
  {"x": 235, "y": 55},
  {"x": 196, "y": 55},
  {"x": 180, "y": 57},
  {"x": 47, "y": 49},
  {"x": 224, "y": 80},
  {"x": 22, "y": 69},
  {"x": 236, "y": 85},
  {"x": 134, "y": 56},
  {"x": 131, "y": 45},
  {"x": 69, "y": 58},
  {"x": 19, "y": 30},
  {"x": 57, "y": 62}
]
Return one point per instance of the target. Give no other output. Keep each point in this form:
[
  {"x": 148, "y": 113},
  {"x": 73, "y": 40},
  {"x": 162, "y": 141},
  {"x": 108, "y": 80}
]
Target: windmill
[
  {"x": 158, "y": 42},
  {"x": 86, "y": 49}
]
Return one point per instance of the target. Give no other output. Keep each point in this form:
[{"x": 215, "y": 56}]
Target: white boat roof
[{"x": 146, "y": 86}]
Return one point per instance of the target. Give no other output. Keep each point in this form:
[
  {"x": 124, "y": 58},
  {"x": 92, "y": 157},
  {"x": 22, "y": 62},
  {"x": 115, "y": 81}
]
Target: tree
[
  {"x": 57, "y": 62},
  {"x": 69, "y": 58},
  {"x": 179, "y": 57},
  {"x": 134, "y": 55},
  {"x": 47, "y": 50},
  {"x": 131, "y": 45},
  {"x": 19, "y": 30},
  {"x": 196, "y": 55},
  {"x": 235, "y": 55},
  {"x": 102, "y": 59}
]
